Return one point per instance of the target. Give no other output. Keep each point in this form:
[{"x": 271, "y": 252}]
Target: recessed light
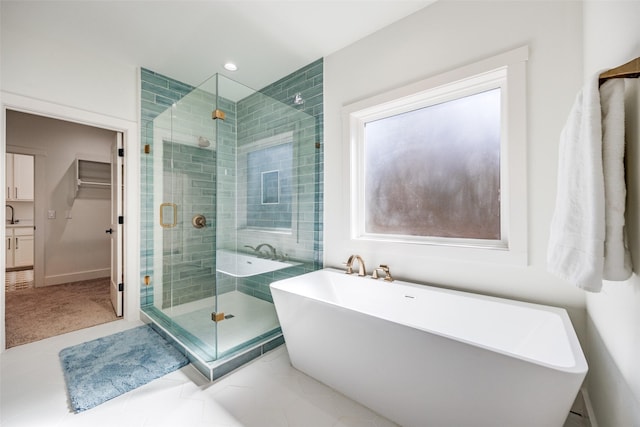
[{"x": 230, "y": 66}]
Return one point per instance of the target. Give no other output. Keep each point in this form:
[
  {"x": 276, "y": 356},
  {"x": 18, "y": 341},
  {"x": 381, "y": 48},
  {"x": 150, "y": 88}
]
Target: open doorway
[{"x": 76, "y": 236}]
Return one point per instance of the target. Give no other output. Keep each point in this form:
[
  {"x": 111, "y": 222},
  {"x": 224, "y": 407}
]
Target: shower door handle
[
  {"x": 171, "y": 211},
  {"x": 109, "y": 231}
]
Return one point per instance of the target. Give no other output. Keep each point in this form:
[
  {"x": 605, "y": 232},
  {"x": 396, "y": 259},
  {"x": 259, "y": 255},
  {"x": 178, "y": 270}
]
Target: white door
[{"x": 117, "y": 282}]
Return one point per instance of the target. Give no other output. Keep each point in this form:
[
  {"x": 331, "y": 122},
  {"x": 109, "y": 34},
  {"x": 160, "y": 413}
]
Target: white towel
[
  {"x": 617, "y": 257},
  {"x": 576, "y": 241},
  {"x": 588, "y": 221}
]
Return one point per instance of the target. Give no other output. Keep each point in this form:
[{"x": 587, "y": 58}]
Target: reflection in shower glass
[
  {"x": 435, "y": 171},
  {"x": 269, "y": 184},
  {"x": 270, "y": 188}
]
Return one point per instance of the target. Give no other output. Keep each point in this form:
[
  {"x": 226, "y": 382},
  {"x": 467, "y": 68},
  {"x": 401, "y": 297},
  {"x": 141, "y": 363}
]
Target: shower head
[
  {"x": 203, "y": 142},
  {"x": 297, "y": 99}
]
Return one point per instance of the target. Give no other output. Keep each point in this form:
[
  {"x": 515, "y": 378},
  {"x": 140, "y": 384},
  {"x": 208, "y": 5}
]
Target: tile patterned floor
[
  {"x": 267, "y": 392},
  {"x": 17, "y": 280}
]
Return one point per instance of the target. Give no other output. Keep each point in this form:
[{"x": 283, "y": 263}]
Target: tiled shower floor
[{"x": 252, "y": 317}]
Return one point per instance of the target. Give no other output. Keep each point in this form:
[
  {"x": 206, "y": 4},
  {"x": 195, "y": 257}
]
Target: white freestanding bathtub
[{"x": 423, "y": 356}]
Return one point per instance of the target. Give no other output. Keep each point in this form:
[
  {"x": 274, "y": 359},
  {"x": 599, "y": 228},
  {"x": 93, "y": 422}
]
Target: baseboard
[
  {"x": 76, "y": 277},
  {"x": 589, "y": 407}
]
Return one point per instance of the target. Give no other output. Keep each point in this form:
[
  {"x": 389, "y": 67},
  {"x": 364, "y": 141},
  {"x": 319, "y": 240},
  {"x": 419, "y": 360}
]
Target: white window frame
[{"x": 507, "y": 72}]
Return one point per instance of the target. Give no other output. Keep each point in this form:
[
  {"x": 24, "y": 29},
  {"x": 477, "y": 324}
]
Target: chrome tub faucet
[{"x": 273, "y": 255}]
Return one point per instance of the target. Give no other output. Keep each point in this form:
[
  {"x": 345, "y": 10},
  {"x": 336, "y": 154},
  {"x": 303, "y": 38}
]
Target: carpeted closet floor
[{"x": 33, "y": 314}]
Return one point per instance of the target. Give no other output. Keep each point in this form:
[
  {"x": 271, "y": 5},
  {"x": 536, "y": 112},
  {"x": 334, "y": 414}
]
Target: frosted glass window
[
  {"x": 438, "y": 167},
  {"x": 435, "y": 171}
]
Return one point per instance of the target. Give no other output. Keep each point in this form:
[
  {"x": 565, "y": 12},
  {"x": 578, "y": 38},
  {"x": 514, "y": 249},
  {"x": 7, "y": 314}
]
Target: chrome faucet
[
  {"x": 385, "y": 270},
  {"x": 12, "y": 213},
  {"x": 361, "y": 268},
  {"x": 274, "y": 254}
]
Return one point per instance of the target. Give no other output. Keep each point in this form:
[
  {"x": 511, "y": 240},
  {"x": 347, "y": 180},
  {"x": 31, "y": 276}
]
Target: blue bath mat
[{"x": 102, "y": 369}]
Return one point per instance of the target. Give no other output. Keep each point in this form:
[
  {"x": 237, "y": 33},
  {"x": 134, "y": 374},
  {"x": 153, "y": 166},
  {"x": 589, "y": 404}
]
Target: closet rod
[{"x": 631, "y": 70}]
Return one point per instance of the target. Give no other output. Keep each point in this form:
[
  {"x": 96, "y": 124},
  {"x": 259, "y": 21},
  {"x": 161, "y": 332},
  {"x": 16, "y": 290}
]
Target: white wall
[
  {"x": 76, "y": 248},
  {"x": 442, "y": 37},
  {"x": 611, "y": 38},
  {"x": 40, "y": 76},
  {"x": 64, "y": 74}
]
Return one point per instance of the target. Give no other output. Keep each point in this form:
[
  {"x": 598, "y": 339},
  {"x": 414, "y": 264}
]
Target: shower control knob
[{"x": 199, "y": 221}]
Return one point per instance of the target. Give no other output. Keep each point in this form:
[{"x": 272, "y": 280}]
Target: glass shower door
[{"x": 184, "y": 187}]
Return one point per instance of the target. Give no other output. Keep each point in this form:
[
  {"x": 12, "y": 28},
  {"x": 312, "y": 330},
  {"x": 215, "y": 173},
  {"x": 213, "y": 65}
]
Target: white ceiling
[{"x": 191, "y": 40}]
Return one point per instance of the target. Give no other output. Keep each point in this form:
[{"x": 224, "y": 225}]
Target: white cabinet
[
  {"x": 23, "y": 253},
  {"x": 19, "y": 177},
  {"x": 9, "y": 177},
  {"x": 19, "y": 247},
  {"x": 9, "y": 246}
]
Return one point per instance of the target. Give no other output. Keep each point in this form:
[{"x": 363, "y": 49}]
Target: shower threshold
[{"x": 238, "y": 340}]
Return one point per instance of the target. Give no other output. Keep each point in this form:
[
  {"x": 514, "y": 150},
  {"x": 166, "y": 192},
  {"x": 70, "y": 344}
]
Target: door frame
[{"x": 130, "y": 132}]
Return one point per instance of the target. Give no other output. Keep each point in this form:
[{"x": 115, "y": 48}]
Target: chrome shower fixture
[{"x": 297, "y": 99}]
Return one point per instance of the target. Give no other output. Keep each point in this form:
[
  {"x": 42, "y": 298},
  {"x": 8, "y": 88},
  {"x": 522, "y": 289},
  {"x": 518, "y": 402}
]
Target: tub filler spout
[
  {"x": 361, "y": 268},
  {"x": 272, "y": 250}
]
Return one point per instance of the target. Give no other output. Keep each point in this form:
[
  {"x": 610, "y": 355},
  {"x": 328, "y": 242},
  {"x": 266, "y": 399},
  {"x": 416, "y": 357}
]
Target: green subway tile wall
[
  {"x": 158, "y": 93},
  {"x": 189, "y": 252},
  {"x": 265, "y": 119}
]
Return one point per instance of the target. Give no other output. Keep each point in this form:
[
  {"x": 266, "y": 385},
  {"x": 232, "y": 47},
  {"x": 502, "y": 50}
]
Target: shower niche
[{"x": 248, "y": 161}]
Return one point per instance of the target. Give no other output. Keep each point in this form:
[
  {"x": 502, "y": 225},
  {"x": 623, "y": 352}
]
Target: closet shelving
[{"x": 92, "y": 173}]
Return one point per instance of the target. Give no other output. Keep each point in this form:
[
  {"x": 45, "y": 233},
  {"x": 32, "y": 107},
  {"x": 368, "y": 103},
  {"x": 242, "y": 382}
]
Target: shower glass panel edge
[{"x": 184, "y": 165}]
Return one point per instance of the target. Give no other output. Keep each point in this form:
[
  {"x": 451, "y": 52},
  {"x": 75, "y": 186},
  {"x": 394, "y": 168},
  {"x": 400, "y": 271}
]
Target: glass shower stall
[{"x": 230, "y": 203}]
